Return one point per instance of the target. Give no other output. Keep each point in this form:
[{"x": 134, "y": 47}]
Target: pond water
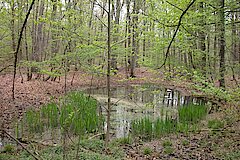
[
  {"x": 134, "y": 102},
  {"x": 129, "y": 103}
]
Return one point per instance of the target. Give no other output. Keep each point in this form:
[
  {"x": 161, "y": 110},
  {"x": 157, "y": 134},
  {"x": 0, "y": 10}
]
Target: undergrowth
[{"x": 75, "y": 113}]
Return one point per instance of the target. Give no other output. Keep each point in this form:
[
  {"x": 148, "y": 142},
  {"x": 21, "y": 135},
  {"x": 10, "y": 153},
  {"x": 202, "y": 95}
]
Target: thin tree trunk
[
  {"x": 144, "y": 30},
  {"x": 126, "y": 37},
  {"x": 108, "y": 75},
  {"x": 202, "y": 36},
  {"x": 222, "y": 44}
]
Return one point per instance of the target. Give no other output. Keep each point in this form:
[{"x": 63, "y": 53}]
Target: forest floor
[
  {"x": 36, "y": 92},
  {"x": 205, "y": 144},
  {"x": 219, "y": 143}
]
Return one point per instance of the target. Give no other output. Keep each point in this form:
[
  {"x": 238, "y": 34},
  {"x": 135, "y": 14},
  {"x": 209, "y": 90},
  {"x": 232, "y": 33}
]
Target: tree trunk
[
  {"x": 134, "y": 39},
  {"x": 108, "y": 74},
  {"x": 13, "y": 25},
  {"x": 222, "y": 44},
  {"x": 202, "y": 36}
]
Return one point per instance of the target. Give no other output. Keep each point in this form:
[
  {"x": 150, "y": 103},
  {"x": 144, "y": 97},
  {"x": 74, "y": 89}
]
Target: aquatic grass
[
  {"x": 192, "y": 113},
  {"x": 33, "y": 121},
  {"x": 51, "y": 114},
  {"x": 76, "y": 113},
  {"x": 143, "y": 128},
  {"x": 186, "y": 122},
  {"x": 148, "y": 129},
  {"x": 84, "y": 110}
]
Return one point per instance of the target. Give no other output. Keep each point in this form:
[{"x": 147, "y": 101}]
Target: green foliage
[
  {"x": 76, "y": 113},
  {"x": 192, "y": 113},
  {"x": 215, "y": 124},
  {"x": 6, "y": 156},
  {"x": 124, "y": 140},
  {"x": 232, "y": 155},
  {"x": 8, "y": 148},
  {"x": 209, "y": 89},
  {"x": 147, "y": 151},
  {"x": 168, "y": 150},
  {"x": 56, "y": 153},
  {"x": 95, "y": 156},
  {"x": 95, "y": 145},
  {"x": 185, "y": 142},
  {"x": 188, "y": 116},
  {"x": 167, "y": 143}
]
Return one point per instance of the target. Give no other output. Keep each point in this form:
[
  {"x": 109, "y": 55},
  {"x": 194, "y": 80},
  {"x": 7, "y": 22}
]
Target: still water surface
[{"x": 134, "y": 102}]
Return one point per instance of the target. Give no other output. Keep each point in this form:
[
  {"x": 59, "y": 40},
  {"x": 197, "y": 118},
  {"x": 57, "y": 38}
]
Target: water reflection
[{"x": 133, "y": 102}]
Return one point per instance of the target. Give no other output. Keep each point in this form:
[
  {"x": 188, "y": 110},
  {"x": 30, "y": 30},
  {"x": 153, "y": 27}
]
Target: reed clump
[
  {"x": 192, "y": 113},
  {"x": 186, "y": 121},
  {"x": 76, "y": 113}
]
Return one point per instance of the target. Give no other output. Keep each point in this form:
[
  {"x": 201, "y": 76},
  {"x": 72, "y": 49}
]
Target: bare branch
[
  {"x": 175, "y": 6},
  {"x": 18, "y": 142},
  {"x": 5, "y": 67},
  {"x": 98, "y": 4},
  {"x": 101, "y": 21}
]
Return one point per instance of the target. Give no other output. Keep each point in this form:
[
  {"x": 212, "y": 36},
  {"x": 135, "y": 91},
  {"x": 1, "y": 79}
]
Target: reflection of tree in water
[{"x": 133, "y": 102}]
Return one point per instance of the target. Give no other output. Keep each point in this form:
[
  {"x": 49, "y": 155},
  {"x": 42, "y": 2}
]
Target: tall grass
[
  {"x": 143, "y": 128},
  {"x": 33, "y": 121},
  {"x": 76, "y": 113},
  {"x": 148, "y": 129},
  {"x": 192, "y": 113},
  {"x": 186, "y": 121}
]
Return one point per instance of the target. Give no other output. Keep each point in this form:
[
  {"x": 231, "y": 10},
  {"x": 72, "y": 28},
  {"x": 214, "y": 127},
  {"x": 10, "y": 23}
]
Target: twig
[
  {"x": 175, "y": 6},
  {"x": 97, "y": 3},
  {"x": 37, "y": 142},
  {"x": 101, "y": 21},
  {"x": 73, "y": 77},
  {"x": 5, "y": 67},
  {"x": 18, "y": 142},
  {"x": 96, "y": 135}
]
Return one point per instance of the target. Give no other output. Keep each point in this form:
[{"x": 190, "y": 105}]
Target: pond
[
  {"x": 79, "y": 116},
  {"x": 134, "y": 102}
]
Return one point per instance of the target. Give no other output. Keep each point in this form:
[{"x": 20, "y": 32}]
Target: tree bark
[
  {"x": 108, "y": 74},
  {"x": 202, "y": 36},
  {"x": 222, "y": 44}
]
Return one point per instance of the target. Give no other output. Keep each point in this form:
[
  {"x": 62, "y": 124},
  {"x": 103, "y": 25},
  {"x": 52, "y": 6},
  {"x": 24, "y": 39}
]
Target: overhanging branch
[
  {"x": 175, "y": 33},
  {"x": 18, "y": 47}
]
